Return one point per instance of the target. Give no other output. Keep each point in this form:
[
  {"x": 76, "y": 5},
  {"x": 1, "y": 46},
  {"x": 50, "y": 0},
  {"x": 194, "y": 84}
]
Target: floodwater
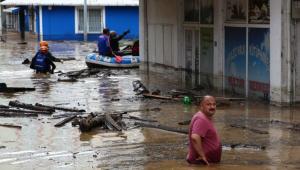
[{"x": 40, "y": 145}]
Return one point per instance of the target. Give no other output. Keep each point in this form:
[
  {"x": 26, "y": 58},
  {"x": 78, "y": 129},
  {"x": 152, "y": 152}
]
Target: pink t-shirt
[{"x": 211, "y": 144}]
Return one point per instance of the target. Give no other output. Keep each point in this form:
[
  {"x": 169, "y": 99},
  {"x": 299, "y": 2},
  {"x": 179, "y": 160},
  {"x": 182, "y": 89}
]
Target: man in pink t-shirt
[{"x": 204, "y": 144}]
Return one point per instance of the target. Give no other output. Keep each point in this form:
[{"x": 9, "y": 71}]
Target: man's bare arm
[{"x": 197, "y": 144}]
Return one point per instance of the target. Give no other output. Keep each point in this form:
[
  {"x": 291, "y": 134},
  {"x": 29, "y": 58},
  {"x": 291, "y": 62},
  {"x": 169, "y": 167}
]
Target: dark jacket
[
  {"x": 52, "y": 58},
  {"x": 114, "y": 41},
  {"x": 50, "y": 66}
]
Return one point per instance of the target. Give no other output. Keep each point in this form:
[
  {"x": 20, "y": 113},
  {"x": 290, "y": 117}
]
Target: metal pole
[
  {"x": 22, "y": 23},
  {"x": 1, "y": 21},
  {"x": 41, "y": 22},
  {"x": 85, "y": 20}
]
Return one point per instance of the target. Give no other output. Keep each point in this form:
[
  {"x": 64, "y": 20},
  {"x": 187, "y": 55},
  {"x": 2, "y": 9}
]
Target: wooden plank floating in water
[
  {"x": 3, "y": 106},
  {"x": 11, "y": 126},
  {"x": 23, "y": 111},
  {"x": 162, "y": 127},
  {"x": 140, "y": 119},
  {"x": 187, "y": 122},
  {"x": 147, "y": 95},
  {"x": 18, "y": 104},
  {"x": 66, "y": 120},
  {"x": 5, "y": 89},
  {"x": 109, "y": 120},
  {"x": 14, "y": 114},
  {"x": 250, "y": 129},
  {"x": 94, "y": 120},
  {"x": 60, "y": 108}
]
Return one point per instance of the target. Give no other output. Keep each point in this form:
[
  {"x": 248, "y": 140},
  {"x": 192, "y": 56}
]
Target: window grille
[{"x": 94, "y": 20}]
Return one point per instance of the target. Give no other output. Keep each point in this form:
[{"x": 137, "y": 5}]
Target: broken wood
[
  {"x": 223, "y": 98},
  {"x": 162, "y": 127},
  {"x": 64, "y": 115},
  {"x": 248, "y": 146},
  {"x": 147, "y": 95},
  {"x": 82, "y": 73},
  {"x": 14, "y": 114},
  {"x": 92, "y": 121},
  {"x": 109, "y": 121},
  {"x": 72, "y": 79},
  {"x": 3, "y": 106},
  {"x": 11, "y": 126},
  {"x": 60, "y": 108},
  {"x": 23, "y": 111},
  {"x": 74, "y": 73},
  {"x": 250, "y": 129},
  {"x": 66, "y": 120},
  {"x": 139, "y": 88},
  {"x": 18, "y": 104},
  {"x": 95, "y": 120},
  {"x": 187, "y": 122},
  {"x": 140, "y": 119},
  {"x": 5, "y": 89}
]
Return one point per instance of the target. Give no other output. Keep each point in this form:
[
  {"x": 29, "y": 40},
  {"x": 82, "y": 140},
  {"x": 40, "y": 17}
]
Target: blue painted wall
[
  {"x": 120, "y": 19},
  {"x": 59, "y": 23}
]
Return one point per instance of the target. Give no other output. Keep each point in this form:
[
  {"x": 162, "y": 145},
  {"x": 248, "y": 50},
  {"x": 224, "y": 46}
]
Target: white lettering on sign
[{"x": 240, "y": 50}]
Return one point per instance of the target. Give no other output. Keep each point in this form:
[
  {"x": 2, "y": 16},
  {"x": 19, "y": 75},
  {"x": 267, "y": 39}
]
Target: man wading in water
[{"x": 204, "y": 144}]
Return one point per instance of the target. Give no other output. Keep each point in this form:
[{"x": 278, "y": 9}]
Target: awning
[{"x": 11, "y": 10}]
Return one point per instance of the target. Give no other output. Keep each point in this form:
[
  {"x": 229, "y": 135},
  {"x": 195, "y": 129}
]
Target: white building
[{"x": 248, "y": 47}]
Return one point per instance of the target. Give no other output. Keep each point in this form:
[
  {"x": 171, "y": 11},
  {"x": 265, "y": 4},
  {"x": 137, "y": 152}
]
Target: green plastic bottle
[{"x": 186, "y": 100}]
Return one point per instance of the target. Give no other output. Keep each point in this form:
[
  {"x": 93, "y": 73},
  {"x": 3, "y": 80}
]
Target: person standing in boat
[
  {"x": 104, "y": 47},
  {"x": 114, "y": 41},
  {"x": 41, "y": 63}
]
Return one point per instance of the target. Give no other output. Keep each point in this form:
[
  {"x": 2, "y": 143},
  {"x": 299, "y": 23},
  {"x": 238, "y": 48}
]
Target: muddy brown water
[{"x": 39, "y": 145}]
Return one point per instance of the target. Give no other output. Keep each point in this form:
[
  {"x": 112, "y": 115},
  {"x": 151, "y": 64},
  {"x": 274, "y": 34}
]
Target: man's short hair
[{"x": 106, "y": 31}]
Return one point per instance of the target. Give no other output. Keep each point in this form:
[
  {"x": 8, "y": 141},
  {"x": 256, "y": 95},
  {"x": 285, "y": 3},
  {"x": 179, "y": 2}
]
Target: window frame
[{"x": 77, "y": 31}]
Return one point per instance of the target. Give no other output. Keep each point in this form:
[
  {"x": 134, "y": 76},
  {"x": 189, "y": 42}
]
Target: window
[
  {"x": 191, "y": 10},
  {"x": 94, "y": 17},
  {"x": 198, "y": 11}
]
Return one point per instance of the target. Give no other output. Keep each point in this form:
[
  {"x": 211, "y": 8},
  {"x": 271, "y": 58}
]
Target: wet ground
[{"x": 40, "y": 145}]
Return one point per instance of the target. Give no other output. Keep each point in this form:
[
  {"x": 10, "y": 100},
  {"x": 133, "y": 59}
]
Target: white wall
[
  {"x": 280, "y": 56},
  {"x": 162, "y": 31},
  {"x": 219, "y": 43}
]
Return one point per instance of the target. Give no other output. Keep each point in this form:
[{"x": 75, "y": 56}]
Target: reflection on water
[{"x": 40, "y": 144}]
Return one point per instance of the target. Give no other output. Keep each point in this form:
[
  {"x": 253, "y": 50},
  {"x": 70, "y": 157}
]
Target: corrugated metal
[{"x": 71, "y": 2}]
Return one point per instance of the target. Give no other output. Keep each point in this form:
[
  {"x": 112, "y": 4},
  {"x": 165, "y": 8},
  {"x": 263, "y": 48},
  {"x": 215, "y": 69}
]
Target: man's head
[
  {"x": 106, "y": 31},
  {"x": 208, "y": 106},
  {"x": 44, "y": 49},
  {"x": 43, "y": 43},
  {"x": 113, "y": 34}
]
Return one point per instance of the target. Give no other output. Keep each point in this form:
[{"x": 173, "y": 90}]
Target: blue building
[{"x": 63, "y": 20}]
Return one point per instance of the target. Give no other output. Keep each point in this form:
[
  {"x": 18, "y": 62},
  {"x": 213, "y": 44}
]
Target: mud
[{"x": 40, "y": 145}]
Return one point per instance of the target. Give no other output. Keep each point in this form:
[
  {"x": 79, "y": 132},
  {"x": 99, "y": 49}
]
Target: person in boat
[
  {"x": 104, "y": 47},
  {"x": 49, "y": 54},
  {"x": 135, "y": 48},
  {"x": 204, "y": 143},
  {"x": 41, "y": 63},
  {"x": 114, "y": 41}
]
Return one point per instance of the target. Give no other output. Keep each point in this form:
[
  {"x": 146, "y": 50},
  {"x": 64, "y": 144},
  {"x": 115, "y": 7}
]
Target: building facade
[
  {"x": 55, "y": 20},
  {"x": 247, "y": 47}
]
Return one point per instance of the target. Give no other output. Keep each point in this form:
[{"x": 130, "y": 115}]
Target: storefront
[{"x": 225, "y": 43}]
